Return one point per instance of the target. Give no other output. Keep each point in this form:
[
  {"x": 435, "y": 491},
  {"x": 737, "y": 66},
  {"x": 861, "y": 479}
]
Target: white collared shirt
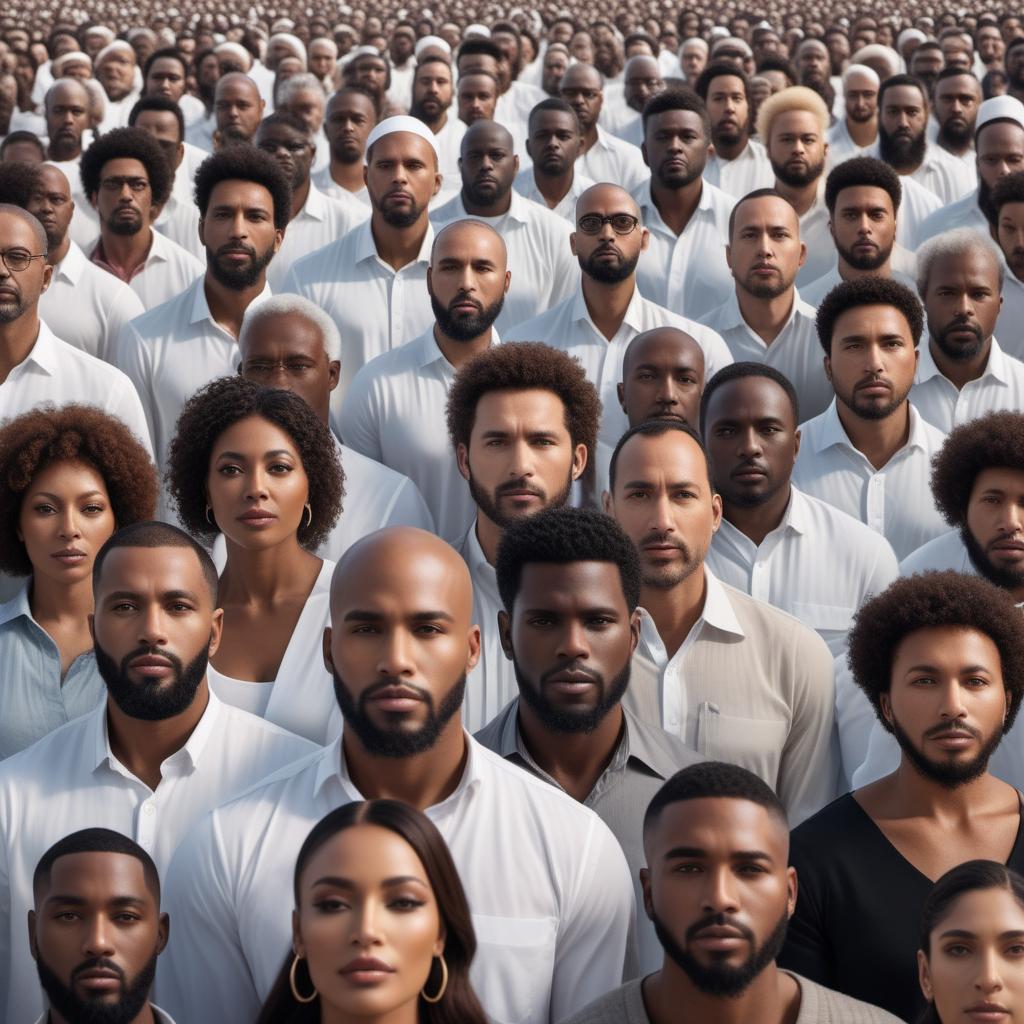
[
  {"x": 526, "y": 185},
  {"x": 686, "y": 273},
  {"x": 814, "y": 233},
  {"x": 71, "y": 780},
  {"x": 179, "y": 221},
  {"x": 86, "y": 306},
  {"x": 160, "y": 1016},
  {"x": 544, "y": 270},
  {"x": 611, "y": 159},
  {"x": 895, "y": 501},
  {"x": 448, "y": 143},
  {"x": 395, "y": 413},
  {"x": 901, "y": 269},
  {"x": 323, "y": 181},
  {"x": 916, "y": 207},
  {"x": 795, "y": 351},
  {"x": 818, "y": 564},
  {"x": 1010, "y": 325},
  {"x": 85, "y": 221},
  {"x": 940, "y": 172},
  {"x": 168, "y": 271},
  {"x": 1000, "y": 387},
  {"x": 750, "y": 170},
  {"x": 546, "y": 880},
  {"x": 841, "y": 145},
  {"x": 964, "y": 213},
  {"x": 568, "y": 327}
]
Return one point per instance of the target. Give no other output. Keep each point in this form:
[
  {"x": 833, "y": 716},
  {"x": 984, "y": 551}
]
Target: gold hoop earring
[
  {"x": 309, "y": 516},
  {"x": 444, "y": 984},
  {"x": 209, "y": 516},
  {"x": 295, "y": 988}
]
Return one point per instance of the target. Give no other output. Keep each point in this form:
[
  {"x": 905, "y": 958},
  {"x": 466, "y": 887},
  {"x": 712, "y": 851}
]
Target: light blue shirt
[{"x": 33, "y": 699}]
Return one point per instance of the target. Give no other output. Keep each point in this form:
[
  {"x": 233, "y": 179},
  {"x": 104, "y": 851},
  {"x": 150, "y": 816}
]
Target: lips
[
  {"x": 71, "y": 556},
  {"x": 257, "y": 517},
  {"x": 366, "y": 970}
]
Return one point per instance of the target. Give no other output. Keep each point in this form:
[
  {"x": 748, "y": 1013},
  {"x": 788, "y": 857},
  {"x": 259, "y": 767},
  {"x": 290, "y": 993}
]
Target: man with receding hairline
[{"x": 238, "y": 108}]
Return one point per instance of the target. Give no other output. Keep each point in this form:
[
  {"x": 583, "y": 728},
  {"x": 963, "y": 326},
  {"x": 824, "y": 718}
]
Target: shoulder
[
  {"x": 842, "y": 816},
  {"x": 624, "y": 1005},
  {"x": 538, "y": 327},
  {"x": 820, "y": 1005},
  {"x": 765, "y": 620},
  {"x": 946, "y": 551},
  {"x": 363, "y": 474},
  {"x": 162, "y": 319},
  {"x": 852, "y": 530}
]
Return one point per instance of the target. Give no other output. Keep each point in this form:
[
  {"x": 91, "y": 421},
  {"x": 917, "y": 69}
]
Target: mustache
[
  {"x": 522, "y": 484},
  {"x": 719, "y": 920},
  {"x": 574, "y": 666},
  {"x": 98, "y": 963},
  {"x": 945, "y": 728},
  {"x": 662, "y": 538},
  {"x": 237, "y": 247}
]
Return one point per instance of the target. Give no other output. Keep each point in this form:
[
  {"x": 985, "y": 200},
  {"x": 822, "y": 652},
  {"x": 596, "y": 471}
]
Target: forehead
[
  {"x": 152, "y": 570},
  {"x": 795, "y": 121},
  {"x": 366, "y": 855},
  {"x": 871, "y": 320},
  {"x": 570, "y": 585},
  {"x": 466, "y": 241},
  {"x": 765, "y": 210},
  {"x": 157, "y": 119},
  {"x": 903, "y": 96},
  {"x": 125, "y": 165},
  {"x": 536, "y": 408},
  {"x": 98, "y": 876},
  {"x": 69, "y": 93},
  {"x": 950, "y": 645},
  {"x": 238, "y": 192},
  {"x": 348, "y": 101},
  {"x": 858, "y": 82},
  {"x": 435, "y": 69},
  {"x": 53, "y": 179},
  {"x": 673, "y": 454},
  {"x": 677, "y": 119},
  {"x": 237, "y": 88},
  {"x": 553, "y": 120},
  {"x": 15, "y": 231},
  {"x": 166, "y": 65},
  {"x": 722, "y": 84},
  {"x": 1013, "y": 210},
  {"x": 958, "y": 84},
  {"x": 483, "y": 135},
  {"x": 402, "y": 146},
  {"x": 1005, "y": 135},
  {"x": 999, "y": 478},
  {"x": 581, "y": 77},
  {"x": 606, "y": 199},
  {"x": 270, "y": 129},
  {"x": 756, "y": 397},
  {"x": 974, "y": 262},
  {"x": 720, "y": 825},
  {"x": 282, "y": 331},
  {"x": 864, "y": 195},
  {"x": 664, "y": 348}
]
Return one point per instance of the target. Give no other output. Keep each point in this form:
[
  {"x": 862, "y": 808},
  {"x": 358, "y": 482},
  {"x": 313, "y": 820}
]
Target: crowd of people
[{"x": 511, "y": 515}]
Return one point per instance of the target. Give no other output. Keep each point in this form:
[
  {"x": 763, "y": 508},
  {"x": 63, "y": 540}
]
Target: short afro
[
  {"x": 44, "y": 436},
  {"x": 127, "y": 144},
  {"x": 741, "y": 371},
  {"x": 871, "y": 290},
  {"x": 928, "y": 601},
  {"x": 244, "y": 162},
  {"x": 995, "y": 441},
  {"x": 862, "y": 171},
  {"x": 524, "y": 366},
  {"x": 560, "y": 536},
  {"x": 217, "y": 407},
  {"x": 1007, "y": 190},
  {"x": 677, "y": 98},
  {"x": 719, "y": 69},
  {"x": 18, "y": 181}
]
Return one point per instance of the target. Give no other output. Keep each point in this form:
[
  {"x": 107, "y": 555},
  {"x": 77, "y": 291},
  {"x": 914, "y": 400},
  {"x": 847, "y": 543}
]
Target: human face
[
  {"x": 872, "y": 362},
  {"x": 863, "y": 227},
  {"x": 861, "y": 97},
  {"x": 813, "y": 63},
  {"x": 962, "y": 303},
  {"x": 719, "y": 890},
  {"x": 797, "y": 148},
  {"x": 1010, "y": 28},
  {"x": 116, "y": 74},
  {"x": 22, "y": 152},
  {"x": 1000, "y": 151},
  {"x": 926, "y": 65},
  {"x": 608, "y": 257},
  {"x": 1010, "y": 235},
  {"x": 308, "y": 106},
  {"x": 488, "y": 164},
  {"x": 402, "y": 45},
  {"x": 956, "y": 107},
  {"x": 239, "y": 234},
  {"x": 675, "y": 147},
  {"x": 467, "y": 280},
  {"x": 95, "y": 935},
  {"x": 19, "y": 293},
  {"x": 238, "y": 107},
  {"x": 432, "y": 91},
  {"x": 368, "y": 924},
  {"x": 478, "y": 98},
  {"x": 349, "y": 121},
  {"x": 402, "y": 178},
  {"x": 643, "y": 80},
  {"x": 662, "y": 378},
  {"x": 555, "y": 142},
  {"x": 664, "y": 501},
  {"x": 995, "y": 526},
  {"x": 521, "y": 458},
  {"x": 693, "y": 61},
  {"x": 581, "y": 46},
  {"x": 581, "y": 89},
  {"x": 556, "y": 63},
  {"x": 166, "y": 78},
  {"x": 123, "y": 210},
  {"x": 322, "y": 60},
  {"x": 765, "y": 252},
  {"x": 947, "y": 702},
  {"x": 163, "y": 126},
  {"x": 990, "y": 45},
  {"x": 292, "y": 151},
  {"x": 67, "y": 117},
  {"x": 727, "y": 108},
  {"x": 371, "y": 71},
  {"x": 52, "y": 206},
  {"x": 901, "y": 125},
  {"x": 570, "y": 637}
]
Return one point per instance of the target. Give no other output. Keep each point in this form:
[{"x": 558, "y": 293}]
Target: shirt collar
[
  {"x": 633, "y": 317},
  {"x": 366, "y": 247},
  {"x": 72, "y": 266},
  {"x": 652, "y": 215},
  {"x": 995, "y": 367},
  {"x": 732, "y": 315},
  {"x": 833, "y": 433},
  {"x": 315, "y": 205},
  {"x": 17, "y": 606},
  {"x": 518, "y": 210},
  {"x": 430, "y": 352},
  {"x": 796, "y": 517},
  {"x": 201, "y": 308},
  {"x": 717, "y": 613},
  {"x": 44, "y": 352}
]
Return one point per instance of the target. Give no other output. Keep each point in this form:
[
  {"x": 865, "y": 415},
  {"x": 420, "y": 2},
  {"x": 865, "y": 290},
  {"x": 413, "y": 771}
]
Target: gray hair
[
  {"x": 77, "y": 83},
  {"x": 293, "y": 305},
  {"x": 299, "y": 83},
  {"x": 26, "y": 217},
  {"x": 955, "y": 243}
]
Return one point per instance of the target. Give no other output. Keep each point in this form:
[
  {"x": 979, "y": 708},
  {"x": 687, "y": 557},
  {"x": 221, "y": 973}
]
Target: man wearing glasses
[{"x": 597, "y": 323}]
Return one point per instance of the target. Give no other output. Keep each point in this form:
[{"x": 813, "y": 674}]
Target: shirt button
[{"x": 149, "y": 808}]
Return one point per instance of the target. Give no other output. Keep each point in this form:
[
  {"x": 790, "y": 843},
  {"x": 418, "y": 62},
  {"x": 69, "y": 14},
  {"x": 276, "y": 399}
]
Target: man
[
  {"x": 537, "y": 241},
  {"x": 550, "y": 937},
  {"x": 166, "y": 74},
  {"x": 238, "y": 108},
  {"x": 556, "y": 63},
  {"x": 642, "y": 81},
  {"x": 432, "y": 94},
  {"x": 401, "y": 49},
  {"x": 370, "y": 281},
  {"x": 116, "y": 67},
  {"x": 957, "y": 101},
  {"x": 963, "y": 372},
  {"x": 522, "y": 422},
  {"x": 477, "y": 97},
  {"x": 372, "y": 71},
  {"x": 604, "y": 157},
  {"x": 991, "y": 48},
  {"x": 156, "y": 756},
  {"x": 302, "y": 95},
  {"x": 554, "y": 145},
  {"x": 775, "y": 714},
  {"x": 323, "y": 61},
  {"x": 315, "y": 220},
  {"x": 765, "y": 320},
  {"x": 394, "y": 412},
  {"x": 693, "y": 58},
  {"x": 853, "y": 134},
  {"x": 127, "y": 179},
  {"x": 560, "y": 573},
  {"x": 1015, "y": 65},
  {"x": 1007, "y": 205},
  {"x": 739, "y": 163},
  {"x": 686, "y": 217},
  {"x": 938, "y": 657},
  {"x": 718, "y": 888},
  {"x": 774, "y": 539},
  {"x": 813, "y": 65},
  {"x": 96, "y": 929},
  {"x": 597, "y": 323},
  {"x": 349, "y": 118}
]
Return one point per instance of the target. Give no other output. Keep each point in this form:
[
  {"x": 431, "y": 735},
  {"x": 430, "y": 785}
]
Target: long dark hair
[
  {"x": 972, "y": 876},
  {"x": 460, "y": 1004}
]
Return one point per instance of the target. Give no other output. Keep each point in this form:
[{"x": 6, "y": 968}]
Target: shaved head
[
  {"x": 659, "y": 339},
  {"x": 485, "y": 132},
  {"x": 605, "y": 198},
  {"x": 469, "y": 238},
  {"x": 7, "y": 211}
]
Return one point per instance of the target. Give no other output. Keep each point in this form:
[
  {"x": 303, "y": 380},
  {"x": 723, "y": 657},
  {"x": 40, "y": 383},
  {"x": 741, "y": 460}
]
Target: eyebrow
[
  {"x": 963, "y": 933},
  {"x": 79, "y": 901},
  {"x": 659, "y": 367},
  {"x": 347, "y": 883},
  {"x": 592, "y": 610},
  {"x": 697, "y": 853},
  {"x": 933, "y": 668},
  {"x": 360, "y": 615},
  {"x": 650, "y": 483},
  {"x": 56, "y": 497},
  {"x": 266, "y": 455},
  {"x": 168, "y": 595},
  {"x": 539, "y": 432}
]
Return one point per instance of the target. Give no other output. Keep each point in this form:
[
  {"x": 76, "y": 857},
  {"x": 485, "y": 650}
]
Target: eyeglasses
[
  {"x": 137, "y": 185},
  {"x": 17, "y": 260},
  {"x": 293, "y": 367},
  {"x": 622, "y": 223}
]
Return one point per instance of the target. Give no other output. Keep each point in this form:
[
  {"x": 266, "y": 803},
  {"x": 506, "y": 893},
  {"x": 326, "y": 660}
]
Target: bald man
[
  {"x": 607, "y": 311},
  {"x": 642, "y": 78},
  {"x": 539, "y": 257},
  {"x": 237, "y": 109},
  {"x": 551, "y": 936},
  {"x": 68, "y": 120}
]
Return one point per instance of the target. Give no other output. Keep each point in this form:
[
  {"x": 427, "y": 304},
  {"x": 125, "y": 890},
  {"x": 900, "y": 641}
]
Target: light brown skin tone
[
  {"x": 433, "y": 86},
  {"x": 116, "y": 72},
  {"x": 53, "y": 207},
  {"x": 729, "y": 113},
  {"x": 863, "y": 222},
  {"x": 581, "y": 89},
  {"x": 1009, "y": 234},
  {"x": 25, "y": 287},
  {"x": 675, "y": 140},
  {"x": 1000, "y": 149},
  {"x": 795, "y": 137},
  {"x": 125, "y": 252},
  {"x": 861, "y": 97},
  {"x": 477, "y": 97},
  {"x": 995, "y": 518}
]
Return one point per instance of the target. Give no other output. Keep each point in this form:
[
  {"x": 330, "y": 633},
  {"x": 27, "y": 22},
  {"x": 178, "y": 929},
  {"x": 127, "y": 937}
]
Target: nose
[
  {"x": 522, "y": 459},
  {"x": 69, "y": 524},
  {"x": 97, "y": 939},
  {"x": 666, "y": 392},
  {"x": 395, "y": 656},
  {"x": 257, "y": 488},
  {"x": 365, "y": 927},
  {"x": 661, "y": 515},
  {"x": 719, "y": 895},
  {"x": 952, "y": 700},
  {"x": 988, "y": 981},
  {"x": 573, "y": 642},
  {"x": 151, "y": 628},
  {"x": 750, "y": 443},
  {"x": 1011, "y": 519}
]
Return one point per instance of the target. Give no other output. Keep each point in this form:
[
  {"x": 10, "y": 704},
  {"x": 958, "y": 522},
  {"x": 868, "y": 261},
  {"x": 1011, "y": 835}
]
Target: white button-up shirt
[
  {"x": 916, "y": 207},
  {"x": 750, "y": 170},
  {"x": 85, "y": 221},
  {"x": 901, "y": 270},
  {"x": 611, "y": 159},
  {"x": 795, "y": 351},
  {"x": 546, "y": 881},
  {"x": 1010, "y": 325},
  {"x": 526, "y": 185},
  {"x": 895, "y": 501},
  {"x": 448, "y": 143},
  {"x": 179, "y": 219},
  {"x": 71, "y": 780},
  {"x": 814, "y": 233},
  {"x": 841, "y": 145},
  {"x": 568, "y": 327},
  {"x": 818, "y": 564},
  {"x": 544, "y": 270},
  {"x": 323, "y": 181},
  {"x": 964, "y": 213},
  {"x": 1000, "y": 387},
  {"x": 941, "y": 173},
  {"x": 168, "y": 271},
  {"x": 86, "y": 306},
  {"x": 686, "y": 273}
]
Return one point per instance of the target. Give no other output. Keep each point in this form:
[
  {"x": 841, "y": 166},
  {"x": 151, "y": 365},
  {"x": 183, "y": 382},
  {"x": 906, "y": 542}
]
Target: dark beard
[
  {"x": 479, "y": 197},
  {"x": 722, "y": 980},
  {"x": 146, "y": 701},
  {"x": 239, "y": 278},
  {"x": 766, "y": 290},
  {"x": 985, "y": 201},
  {"x": 900, "y": 154},
  {"x": 402, "y": 219},
  {"x": 959, "y": 353},
  {"x": 563, "y": 720},
  {"x": 416, "y": 110},
  {"x": 1006, "y": 579},
  {"x": 873, "y": 412},
  {"x": 674, "y": 181},
  {"x": 958, "y": 139},
  {"x": 608, "y": 273},
  {"x": 798, "y": 179},
  {"x": 91, "y": 1011},
  {"x": 383, "y": 742},
  {"x": 867, "y": 263},
  {"x": 489, "y": 506},
  {"x": 949, "y": 775},
  {"x": 123, "y": 227},
  {"x": 347, "y": 156},
  {"x": 466, "y": 328}
]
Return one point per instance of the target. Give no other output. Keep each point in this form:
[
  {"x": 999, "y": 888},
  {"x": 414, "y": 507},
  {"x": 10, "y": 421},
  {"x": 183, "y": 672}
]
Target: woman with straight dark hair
[
  {"x": 381, "y": 930},
  {"x": 971, "y": 956}
]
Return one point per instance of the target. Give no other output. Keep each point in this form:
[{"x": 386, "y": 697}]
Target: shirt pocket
[
  {"x": 753, "y": 743},
  {"x": 831, "y": 622},
  {"x": 512, "y": 969}
]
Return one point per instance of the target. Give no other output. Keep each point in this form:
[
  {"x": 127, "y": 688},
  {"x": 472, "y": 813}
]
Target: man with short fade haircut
[
  {"x": 774, "y": 541},
  {"x": 739, "y": 680},
  {"x": 96, "y": 929},
  {"x": 165, "y": 73},
  {"x": 155, "y": 757},
  {"x": 477, "y": 97},
  {"x": 550, "y": 937},
  {"x": 432, "y": 95},
  {"x": 349, "y": 117},
  {"x": 957, "y": 100},
  {"x": 22, "y": 147},
  {"x": 853, "y": 133},
  {"x": 719, "y": 891},
  {"x": 569, "y": 580},
  {"x": 522, "y": 423},
  {"x": 1007, "y": 205},
  {"x": 941, "y": 659},
  {"x": 686, "y": 217},
  {"x": 642, "y": 82},
  {"x": 963, "y": 372},
  {"x": 237, "y": 109}
]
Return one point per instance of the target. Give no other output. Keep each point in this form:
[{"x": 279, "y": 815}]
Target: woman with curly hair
[
  {"x": 257, "y": 465},
  {"x": 69, "y": 478}
]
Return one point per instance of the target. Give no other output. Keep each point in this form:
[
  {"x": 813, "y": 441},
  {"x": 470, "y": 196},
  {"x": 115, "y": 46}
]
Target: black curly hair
[
  {"x": 860, "y": 171},
  {"x": 740, "y": 371},
  {"x": 220, "y": 405},
  {"x": 868, "y": 291},
  {"x": 127, "y": 144},
  {"x": 18, "y": 181},
  {"x": 927, "y": 601},
  {"x": 245, "y": 162},
  {"x": 680, "y": 97},
  {"x": 1007, "y": 190}
]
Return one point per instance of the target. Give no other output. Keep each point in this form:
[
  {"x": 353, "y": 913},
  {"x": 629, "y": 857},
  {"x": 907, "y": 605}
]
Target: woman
[
  {"x": 381, "y": 930},
  {"x": 257, "y": 465},
  {"x": 69, "y": 478},
  {"x": 971, "y": 960}
]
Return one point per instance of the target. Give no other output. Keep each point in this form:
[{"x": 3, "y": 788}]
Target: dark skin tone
[
  {"x": 675, "y": 147},
  {"x": 67, "y": 116},
  {"x": 53, "y": 207},
  {"x": 569, "y": 626},
  {"x": 348, "y": 121},
  {"x": 554, "y": 144},
  {"x": 124, "y": 205},
  {"x": 489, "y": 166},
  {"x": 581, "y": 89},
  {"x": 293, "y": 151},
  {"x": 662, "y": 377}
]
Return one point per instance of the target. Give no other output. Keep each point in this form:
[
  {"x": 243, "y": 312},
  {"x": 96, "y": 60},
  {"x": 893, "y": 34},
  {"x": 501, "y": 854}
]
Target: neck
[
  {"x": 802, "y": 197},
  {"x": 348, "y": 176},
  {"x": 59, "y": 251},
  {"x": 144, "y": 1016},
  {"x": 501, "y": 205},
  {"x": 398, "y": 247},
  {"x": 62, "y": 155},
  {"x": 553, "y": 187},
  {"x": 910, "y": 793},
  {"x": 488, "y": 535},
  {"x": 127, "y": 252},
  {"x": 766, "y": 317},
  {"x": 851, "y": 273},
  {"x": 877, "y": 440},
  {"x": 17, "y": 340},
  {"x": 264, "y": 575},
  {"x": 589, "y": 137},
  {"x": 228, "y": 305},
  {"x": 757, "y": 522},
  {"x": 458, "y": 353},
  {"x": 299, "y": 196},
  {"x": 960, "y": 372},
  {"x": 731, "y": 150},
  {"x": 862, "y": 132},
  {"x": 407, "y": 1013},
  {"x": 143, "y": 746},
  {"x": 51, "y": 601},
  {"x": 676, "y": 205},
  {"x": 607, "y": 303},
  {"x": 964, "y": 147},
  {"x": 676, "y": 611}
]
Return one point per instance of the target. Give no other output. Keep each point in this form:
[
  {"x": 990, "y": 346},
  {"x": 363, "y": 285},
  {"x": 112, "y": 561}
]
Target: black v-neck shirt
[{"x": 858, "y": 909}]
